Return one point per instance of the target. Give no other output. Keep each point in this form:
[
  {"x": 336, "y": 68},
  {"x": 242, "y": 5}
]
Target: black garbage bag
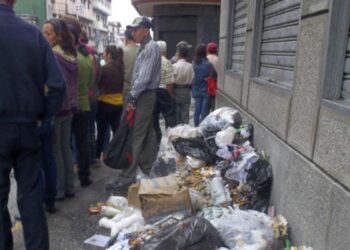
[
  {"x": 193, "y": 233},
  {"x": 117, "y": 154},
  {"x": 209, "y": 134},
  {"x": 163, "y": 166},
  {"x": 195, "y": 147},
  {"x": 259, "y": 178}
]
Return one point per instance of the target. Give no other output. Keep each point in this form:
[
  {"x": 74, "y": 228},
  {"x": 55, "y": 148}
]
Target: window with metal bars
[
  {"x": 238, "y": 30},
  {"x": 279, "y": 41},
  {"x": 346, "y": 79}
]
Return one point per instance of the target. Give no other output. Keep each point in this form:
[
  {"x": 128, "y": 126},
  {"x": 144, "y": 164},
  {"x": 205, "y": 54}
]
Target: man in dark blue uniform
[{"x": 27, "y": 64}]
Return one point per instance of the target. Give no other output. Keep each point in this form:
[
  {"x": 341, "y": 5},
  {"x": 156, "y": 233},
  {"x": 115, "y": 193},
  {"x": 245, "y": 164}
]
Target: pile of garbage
[{"x": 208, "y": 189}]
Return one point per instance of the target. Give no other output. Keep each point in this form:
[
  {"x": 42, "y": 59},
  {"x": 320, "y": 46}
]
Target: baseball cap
[
  {"x": 212, "y": 46},
  {"x": 183, "y": 44},
  {"x": 140, "y": 21}
]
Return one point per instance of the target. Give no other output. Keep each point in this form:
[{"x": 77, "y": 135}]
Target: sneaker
[
  {"x": 50, "y": 209},
  {"x": 85, "y": 183}
]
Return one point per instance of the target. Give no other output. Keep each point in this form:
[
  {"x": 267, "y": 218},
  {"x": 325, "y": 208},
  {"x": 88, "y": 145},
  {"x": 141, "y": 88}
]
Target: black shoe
[
  {"x": 50, "y": 209},
  {"x": 69, "y": 195},
  {"x": 116, "y": 186},
  {"x": 85, "y": 183},
  {"x": 60, "y": 197}
]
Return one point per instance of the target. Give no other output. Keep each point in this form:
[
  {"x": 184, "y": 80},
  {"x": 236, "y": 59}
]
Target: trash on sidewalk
[
  {"x": 160, "y": 196},
  {"x": 192, "y": 233},
  {"x": 242, "y": 229},
  {"x": 98, "y": 240},
  {"x": 213, "y": 171}
]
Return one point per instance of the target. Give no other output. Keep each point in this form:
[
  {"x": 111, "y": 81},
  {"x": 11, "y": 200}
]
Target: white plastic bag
[
  {"x": 225, "y": 137},
  {"x": 245, "y": 230},
  {"x": 118, "y": 202},
  {"x": 222, "y": 118}
]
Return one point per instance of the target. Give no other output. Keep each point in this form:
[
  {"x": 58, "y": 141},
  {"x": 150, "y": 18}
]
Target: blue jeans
[
  {"x": 202, "y": 102},
  {"x": 20, "y": 149}
]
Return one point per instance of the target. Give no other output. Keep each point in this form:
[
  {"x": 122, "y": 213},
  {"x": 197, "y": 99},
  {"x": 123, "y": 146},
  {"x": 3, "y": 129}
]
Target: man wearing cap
[
  {"x": 27, "y": 66},
  {"x": 142, "y": 98}
]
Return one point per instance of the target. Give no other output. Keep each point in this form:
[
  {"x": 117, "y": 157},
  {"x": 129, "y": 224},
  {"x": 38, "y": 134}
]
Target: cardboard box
[{"x": 159, "y": 196}]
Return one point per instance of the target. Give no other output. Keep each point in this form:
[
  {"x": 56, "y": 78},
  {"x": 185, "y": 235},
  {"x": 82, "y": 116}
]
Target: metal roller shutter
[
  {"x": 239, "y": 29},
  {"x": 279, "y": 40},
  {"x": 346, "y": 80}
]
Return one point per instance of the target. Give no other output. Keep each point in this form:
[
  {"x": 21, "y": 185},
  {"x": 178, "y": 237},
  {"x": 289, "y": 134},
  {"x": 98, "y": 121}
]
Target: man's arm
[
  {"x": 54, "y": 81},
  {"x": 150, "y": 59}
]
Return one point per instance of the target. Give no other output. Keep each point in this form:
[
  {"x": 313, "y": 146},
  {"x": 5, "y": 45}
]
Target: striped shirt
[
  {"x": 147, "y": 68},
  {"x": 167, "y": 74}
]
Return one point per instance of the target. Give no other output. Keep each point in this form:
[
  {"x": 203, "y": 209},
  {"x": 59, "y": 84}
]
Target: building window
[
  {"x": 280, "y": 27},
  {"x": 336, "y": 73},
  {"x": 238, "y": 30},
  {"x": 346, "y": 79}
]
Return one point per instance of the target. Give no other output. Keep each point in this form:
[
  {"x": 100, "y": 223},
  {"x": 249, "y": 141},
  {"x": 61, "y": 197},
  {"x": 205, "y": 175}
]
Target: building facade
[
  {"x": 191, "y": 20},
  {"x": 285, "y": 65},
  {"x": 33, "y": 11},
  {"x": 92, "y": 14}
]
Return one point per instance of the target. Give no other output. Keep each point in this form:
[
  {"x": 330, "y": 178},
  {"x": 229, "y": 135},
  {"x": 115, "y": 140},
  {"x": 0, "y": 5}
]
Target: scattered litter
[{"x": 98, "y": 240}]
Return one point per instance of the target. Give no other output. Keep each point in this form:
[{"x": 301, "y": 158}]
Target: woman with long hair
[
  {"x": 57, "y": 34},
  {"x": 80, "y": 123},
  {"x": 110, "y": 99},
  {"x": 202, "y": 69}
]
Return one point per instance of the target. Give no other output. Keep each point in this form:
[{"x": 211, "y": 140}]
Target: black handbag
[{"x": 118, "y": 154}]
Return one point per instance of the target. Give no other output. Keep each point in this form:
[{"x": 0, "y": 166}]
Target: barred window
[
  {"x": 279, "y": 41},
  {"x": 346, "y": 79},
  {"x": 237, "y": 41}
]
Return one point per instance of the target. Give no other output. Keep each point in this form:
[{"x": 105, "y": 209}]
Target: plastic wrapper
[
  {"x": 163, "y": 166},
  {"x": 245, "y": 230},
  {"x": 221, "y": 118},
  {"x": 195, "y": 147},
  {"x": 183, "y": 131},
  {"x": 245, "y": 133},
  {"x": 118, "y": 202},
  {"x": 193, "y": 233},
  {"x": 238, "y": 171},
  {"x": 260, "y": 179},
  {"x": 225, "y": 137},
  {"x": 121, "y": 221},
  {"x": 194, "y": 163}
]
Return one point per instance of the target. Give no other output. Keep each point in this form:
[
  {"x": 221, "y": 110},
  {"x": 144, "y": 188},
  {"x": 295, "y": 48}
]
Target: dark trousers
[
  {"x": 80, "y": 126},
  {"x": 108, "y": 116},
  {"x": 91, "y": 130},
  {"x": 165, "y": 104},
  {"x": 49, "y": 174},
  {"x": 20, "y": 149}
]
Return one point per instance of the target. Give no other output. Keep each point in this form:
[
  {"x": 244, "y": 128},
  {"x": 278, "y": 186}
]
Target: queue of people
[{"x": 49, "y": 109}]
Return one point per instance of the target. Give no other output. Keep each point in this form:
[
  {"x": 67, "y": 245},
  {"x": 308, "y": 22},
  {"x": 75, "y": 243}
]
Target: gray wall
[
  {"x": 192, "y": 23},
  {"x": 306, "y": 135}
]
